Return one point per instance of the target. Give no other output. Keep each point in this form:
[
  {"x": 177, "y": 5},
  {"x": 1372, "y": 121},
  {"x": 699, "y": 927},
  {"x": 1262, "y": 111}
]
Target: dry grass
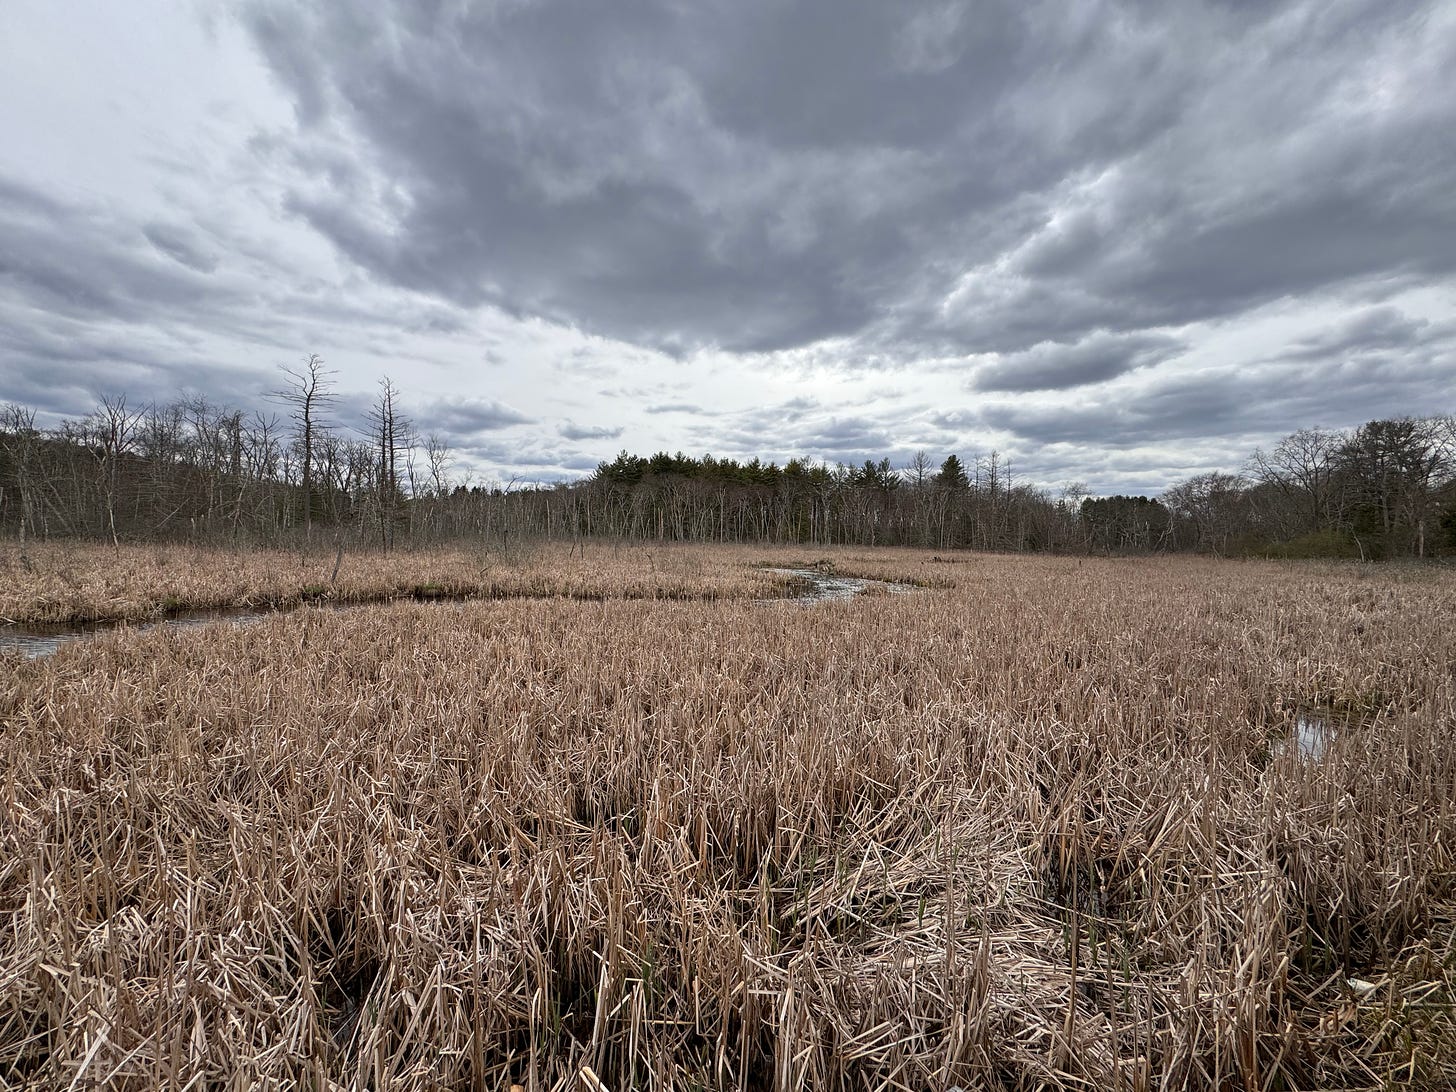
[
  {"x": 1028, "y": 831},
  {"x": 69, "y": 583}
]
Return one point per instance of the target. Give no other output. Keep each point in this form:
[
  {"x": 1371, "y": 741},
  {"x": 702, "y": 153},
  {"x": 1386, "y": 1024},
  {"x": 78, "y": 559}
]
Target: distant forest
[{"x": 195, "y": 471}]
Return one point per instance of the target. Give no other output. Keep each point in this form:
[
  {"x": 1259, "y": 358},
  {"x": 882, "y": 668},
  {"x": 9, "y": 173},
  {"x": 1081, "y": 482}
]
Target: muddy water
[{"x": 34, "y": 641}]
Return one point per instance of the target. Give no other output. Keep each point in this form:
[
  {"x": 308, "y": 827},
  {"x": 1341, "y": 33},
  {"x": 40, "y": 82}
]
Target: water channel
[{"x": 35, "y": 641}]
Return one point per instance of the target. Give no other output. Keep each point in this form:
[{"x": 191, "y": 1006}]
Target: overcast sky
[{"x": 1118, "y": 242}]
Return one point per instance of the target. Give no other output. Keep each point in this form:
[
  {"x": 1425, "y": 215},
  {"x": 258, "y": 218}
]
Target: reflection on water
[
  {"x": 817, "y": 587},
  {"x": 1311, "y": 737},
  {"x": 34, "y": 642}
]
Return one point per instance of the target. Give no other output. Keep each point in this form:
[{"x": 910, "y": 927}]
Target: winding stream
[{"x": 35, "y": 641}]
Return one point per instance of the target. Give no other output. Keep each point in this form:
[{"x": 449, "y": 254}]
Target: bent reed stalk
[{"x": 1034, "y": 828}]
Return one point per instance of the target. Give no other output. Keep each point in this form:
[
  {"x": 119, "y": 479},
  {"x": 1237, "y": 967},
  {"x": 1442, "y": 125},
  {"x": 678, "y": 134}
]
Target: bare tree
[
  {"x": 1215, "y": 504},
  {"x": 918, "y": 470},
  {"x": 390, "y": 431},
  {"x": 113, "y": 429},
  {"x": 1301, "y": 469},
  {"x": 19, "y": 440},
  {"x": 437, "y": 454},
  {"x": 308, "y": 391}
]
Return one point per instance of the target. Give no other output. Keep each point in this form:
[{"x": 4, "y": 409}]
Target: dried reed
[{"x": 1033, "y": 830}]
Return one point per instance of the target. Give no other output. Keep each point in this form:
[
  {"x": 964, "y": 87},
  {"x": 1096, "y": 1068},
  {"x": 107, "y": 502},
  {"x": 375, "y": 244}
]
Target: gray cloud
[
  {"x": 804, "y": 428},
  {"x": 1234, "y": 404},
  {"x": 67, "y": 373},
  {"x": 1060, "y": 366},
  {"x": 1101, "y": 233},
  {"x": 180, "y": 245},
  {"x": 83, "y": 272},
  {"x": 1376, "y": 329},
  {"x": 70, "y": 261},
  {"x": 572, "y": 431},
  {"x": 758, "y": 175},
  {"x": 854, "y": 435},
  {"x": 526, "y": 462},
  {"x": 463, "y": 418}
]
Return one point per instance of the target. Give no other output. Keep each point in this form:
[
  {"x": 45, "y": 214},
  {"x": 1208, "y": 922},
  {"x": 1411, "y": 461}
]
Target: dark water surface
[{"x": 35, "y": 641}]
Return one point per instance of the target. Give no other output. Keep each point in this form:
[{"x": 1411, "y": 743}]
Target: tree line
[{"x": 194, "y": 470}]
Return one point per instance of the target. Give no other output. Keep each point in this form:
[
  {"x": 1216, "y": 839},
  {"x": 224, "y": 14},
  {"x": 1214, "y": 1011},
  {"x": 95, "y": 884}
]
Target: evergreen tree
[{"x": 952, "y": 475}]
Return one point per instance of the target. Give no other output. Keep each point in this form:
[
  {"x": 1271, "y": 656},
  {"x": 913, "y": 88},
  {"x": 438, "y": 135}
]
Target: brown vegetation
[
  {"x": 58, "y": 583},
  {"x": 1029, "y": 829}
]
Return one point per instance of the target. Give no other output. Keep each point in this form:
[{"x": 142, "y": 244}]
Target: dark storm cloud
[
  {"x": 1060, "y": 366},
  {"x": 935, "y": 174}
]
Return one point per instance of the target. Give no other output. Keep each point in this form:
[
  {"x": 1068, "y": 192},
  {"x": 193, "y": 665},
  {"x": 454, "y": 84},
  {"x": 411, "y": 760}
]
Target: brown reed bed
[
  {"x": 1032, "y": 831},
  {"x": 69, "y": 583}
]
